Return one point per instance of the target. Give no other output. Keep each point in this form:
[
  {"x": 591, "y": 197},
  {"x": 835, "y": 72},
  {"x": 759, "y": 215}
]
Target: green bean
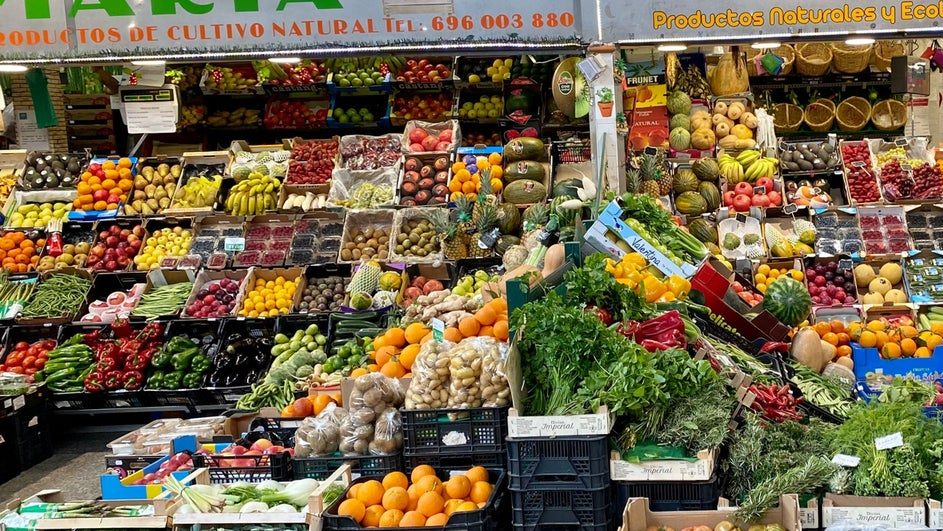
[
  {"x": 163, "y": 300},
  {"x": 59, "y": 295}
]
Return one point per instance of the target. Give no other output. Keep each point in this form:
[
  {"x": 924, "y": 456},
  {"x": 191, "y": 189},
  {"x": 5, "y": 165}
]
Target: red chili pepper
[
  {"x": 654, "y": 346},
  {"x": 667, "y": 329},
  {"x": 774, "y": 346}
]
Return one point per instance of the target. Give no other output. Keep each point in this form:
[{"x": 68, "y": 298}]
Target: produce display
[
  {"x": 104, "y": 185},
  {"x": 115, "y": 248},
  {"x": 52, "y": 171},
  {"x": 31, "y": 215},
  {"x": 154, "y": 187}
]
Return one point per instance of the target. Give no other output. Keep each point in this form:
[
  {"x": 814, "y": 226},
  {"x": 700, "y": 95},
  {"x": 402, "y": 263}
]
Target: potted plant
[{"x": 604, "y": 101}]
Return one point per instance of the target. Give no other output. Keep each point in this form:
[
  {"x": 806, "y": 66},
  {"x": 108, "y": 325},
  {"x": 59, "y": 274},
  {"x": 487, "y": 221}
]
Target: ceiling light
[
  {"x": 151, "y": 62},
  {"x": 285, "y": 60},
  {"x": 765, "y": 45},
  {"x": 13, "y": 68},
  {"x": 672, "y": 48},
  {"x": 859, "y": 41}
]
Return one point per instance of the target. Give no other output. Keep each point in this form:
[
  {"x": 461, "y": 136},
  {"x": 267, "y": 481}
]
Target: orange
[
  {"x": 486, "y": 315},
  {"x": 500, "y": 305},
  {"x": 937, "y": 328},
  {"x": 822, "y": 328},
  {"x": 496, "y": 185},
  {"x": 429, "y": 484},
  {"x": 373, "y": 367},
  {"x": 393, "y": 369},
  {"x": 414, "y": 493},
  {"x": 359, "y": 371},
  {"x": 353, "y": 509},
  {"x": 875, "y": 325},
  {"x": 467, "y": 506},
  {"x": 395, "y": 498},
  {"x": 455, "y": 186},
  {"x": 501, "y": 330},
  {"x": 837, "y": 326},
  {"x": 908, "y": 331},
  {"x": 108, "y": 165},
  {"x": 891, "y": 351},
  {"x": 125, "y": 185},
  {"x": 494, "y": 158},
  {"x": 882, "y": 338},
  {"x": 379, "y": 341},
  {"x": 111, "y": 175},
  {"x": 108, "y": 184},
  {"x": 426, "y": 338},
  {"x": 124, "y": 173},
  {"x": 831, "y": 337},
  {"x": 415, "y": 332},
  {"x": 437, "y": 520},
  {"x": 854, "y": 330},
  {"x": 413, "y": 519},
  {"x": 384, "y": 354},
  {"x": 396, "y": 337},
  {"x": 452, "y": 334},
  {"x": 469, "y": 326},
  {"x": 868, "y": 339},
  {"x": 908, "y": 347},
  {"x": 83, "y": 188},
  {"x": 922, "y": 352},
  {"x": 124, "y": 162},
  {"x": 100, "y": 205},
  {"x": 486, "y": 331},
  {"x": 844, "y": 350},
  {"x": 458, "y": 487},
  {"x": 430, "y": 503},
  {"x": 395, "y": 479},
  {"x": 843, "y": 338},
  {"x": 408, "y": 356},
  {"x": 420, "y": 472},
  {"x": 320, "y": 402},
  {"x": 372, "y": 516},
  {"x": 480, "y": 492},
  {"x": 933, "y": 341},
  {"x": 476, "y": 474},
  {"x": 469, "y": 187},
  {"x": 451, "y": 505},
  {"x": 370, "y": 493},
  {"x": 391, "y": 518}
]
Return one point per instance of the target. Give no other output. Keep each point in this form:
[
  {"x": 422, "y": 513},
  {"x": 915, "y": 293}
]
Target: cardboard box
[
  {"x": 638, "y": 517},
  {"x": 702, "y": 469},
  {"x": 203, "y": 158},
  {"x": 810, "y": 516},
  {"x": 893, "y": 513},
  {"x": 295, "y": 274},
  {"x": 206, "y": 276},
  {"x": 158, "y": 520},
  {"x": 165, "y": 277}
]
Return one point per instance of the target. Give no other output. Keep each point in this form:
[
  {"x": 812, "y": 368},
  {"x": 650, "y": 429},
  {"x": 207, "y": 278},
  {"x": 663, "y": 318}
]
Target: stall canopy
[{"x": 103, "y": 30}]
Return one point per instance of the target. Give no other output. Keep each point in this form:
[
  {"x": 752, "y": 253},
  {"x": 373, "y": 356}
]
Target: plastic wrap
[
  {"x": 364, "y": 189},
  {"x": 495, "y": 391},
  {"x": 387, "y": 433},
  {"x": 373, "y": 395},
  {"x": 465, "y": 374},
  {"x": 429, "y": 388},
  {"x": 320, "y": 436}
]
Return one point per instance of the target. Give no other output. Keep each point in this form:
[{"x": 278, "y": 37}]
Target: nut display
[
  {"x": 153, "y": 189},
  {"x": 368, "y": 242}
]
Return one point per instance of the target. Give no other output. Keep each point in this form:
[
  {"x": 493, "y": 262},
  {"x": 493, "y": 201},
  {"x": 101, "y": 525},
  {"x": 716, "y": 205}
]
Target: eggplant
[
  {"x": 231, "y": 380},
  {"x": 241, "y": 359},
  {"x": 215, "y": 379},
  {"x": 223, "y": 361},
  {"x": 260, "y": 358}
]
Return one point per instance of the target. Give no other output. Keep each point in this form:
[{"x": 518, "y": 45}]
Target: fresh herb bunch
[
  {"x": 807, "y": 477},
  {"x": 591, "y": 284},
  {"x": 699, "y": 422},
  {"x": 625, "y": 380}
]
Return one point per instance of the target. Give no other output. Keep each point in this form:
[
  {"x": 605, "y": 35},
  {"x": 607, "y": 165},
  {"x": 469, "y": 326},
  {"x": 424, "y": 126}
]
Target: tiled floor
[{"x": 78, "y": 460}]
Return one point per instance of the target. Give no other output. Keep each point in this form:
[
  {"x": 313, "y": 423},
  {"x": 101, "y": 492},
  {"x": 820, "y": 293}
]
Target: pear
[{"x": 140, "y": 182}]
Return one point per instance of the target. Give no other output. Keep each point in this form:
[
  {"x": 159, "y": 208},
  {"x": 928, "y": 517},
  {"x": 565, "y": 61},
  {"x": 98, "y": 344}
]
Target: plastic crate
[
  {"x": 669, "y": 495},
  {"x": 484, "y": 519},
  {"x": 366, "y": 465},
  {"x": 560, "y": 509},
  {"x": 572, "y": 151},
  {"x": 485, "y": 430},
  {"x": 559, "y": 464},
  {"x": 226, "y": 469},
  {"x": 456, "y": 462}
]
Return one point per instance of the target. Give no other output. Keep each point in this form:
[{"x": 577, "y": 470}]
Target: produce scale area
[{"x": 459, "y": 265}]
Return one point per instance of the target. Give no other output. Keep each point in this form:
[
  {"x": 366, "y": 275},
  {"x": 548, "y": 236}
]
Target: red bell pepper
[
  {"x": 121, "y": 328},
  {"x": 106, "y": 364},
  {"x": 140, "y": 360},
  {"x": 94, "y": 382},
  {"x": 151, "y": 332},
  {"x": 132, "y": 380},
  {"x": 603, "y": 314},
  {"x": 113, "y": 380},
  {"x": 665, "y": 330}
]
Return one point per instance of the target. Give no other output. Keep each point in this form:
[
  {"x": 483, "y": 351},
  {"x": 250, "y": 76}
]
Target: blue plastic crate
[{"x": 869, "y": 365}]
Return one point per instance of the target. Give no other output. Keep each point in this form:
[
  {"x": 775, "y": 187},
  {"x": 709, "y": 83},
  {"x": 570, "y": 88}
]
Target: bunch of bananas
[
  {"x": 748, "y": 166},
  {"x": 241, "y": 117},
  {"x": 199, "y": 192},
  {"x": 255, "y": 195}
]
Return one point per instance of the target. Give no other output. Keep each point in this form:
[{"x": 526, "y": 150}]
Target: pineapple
[
  {"x": 650, "y": 187},
  {"x": 453, "y": 243},
  {"x": 487, "y": 219},
  {"x": 632, "y": 181},
  {"x": 462, "y": 215},
  {"x": 485, "y": 197}
]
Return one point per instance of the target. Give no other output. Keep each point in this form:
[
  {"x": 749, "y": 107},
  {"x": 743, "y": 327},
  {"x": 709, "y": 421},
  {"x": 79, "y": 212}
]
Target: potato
[{"x": 429, "y": 386}]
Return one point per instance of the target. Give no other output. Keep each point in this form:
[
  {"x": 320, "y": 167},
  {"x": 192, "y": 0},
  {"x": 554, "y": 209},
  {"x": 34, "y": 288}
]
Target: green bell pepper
[
  {"x": 192, "y": 380},
  {"x": 156, "y": 381},
  {"x": 181, "y": 360},
  {"x": 200, "y": 363},
  {"x": 173, "y": 380}
]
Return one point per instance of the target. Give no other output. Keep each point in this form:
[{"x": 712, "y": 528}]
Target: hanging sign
[
  {"x": 86, "y": 28},
  {"x": 653, "y": 20},
  {"x": 150, "y": 110}
]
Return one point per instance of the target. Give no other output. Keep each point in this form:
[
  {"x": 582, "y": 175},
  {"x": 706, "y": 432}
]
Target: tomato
[
  {"x": 40, "y": 363},
  {"x": 49, "y": 344},
  {"x": 31, "y": 371},
  {"x": 3, "y": 367},
  {"x": 17, "y": 370},
  {"x": 22, "y": 345},
  {"x": 15, "y": 358},
  {"x": 34, "y": 351},
  {"x": 28, "y": 361}
]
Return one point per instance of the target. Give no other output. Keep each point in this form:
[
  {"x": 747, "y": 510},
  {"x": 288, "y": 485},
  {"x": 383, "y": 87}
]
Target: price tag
[
  {"x": 741, "y": 218},
  {"x": 889, "y": 441},
  {"x": 901, "y": 142},
  {"x": 438, "y": 330},
  {"x": 757, "y": 190},
  {"x": 833, "y": 139},
  {"x": 845, "y": 264},
  {"x": 850, "y": 461},
  {"x": 858, "y": 164},
  {"x": 906, "y": 168},
  {"x": 234, "y": 245},
  {"x": 791, "y": 208},
  {"x": 744, "y": 265},
  {"x": 488, "y": 239},
  {"x": 651, "y": 150},
  {"x": 783, "y": 146},
  {"x": 19, "y": 402}
]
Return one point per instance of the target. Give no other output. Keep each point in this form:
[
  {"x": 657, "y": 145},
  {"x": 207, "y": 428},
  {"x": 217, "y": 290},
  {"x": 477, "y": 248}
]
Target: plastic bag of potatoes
[
  {"x": 373, "y": 395},
  {"x": 429, "y": 388}
]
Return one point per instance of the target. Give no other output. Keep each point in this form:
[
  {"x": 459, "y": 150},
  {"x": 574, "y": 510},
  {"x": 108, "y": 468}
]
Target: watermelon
[{"x": 788, "y": 300}]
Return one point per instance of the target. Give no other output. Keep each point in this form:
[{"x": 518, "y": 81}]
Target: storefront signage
[
  {"x": 654, "y": 20},
  {"x": 52, "y": 28}
]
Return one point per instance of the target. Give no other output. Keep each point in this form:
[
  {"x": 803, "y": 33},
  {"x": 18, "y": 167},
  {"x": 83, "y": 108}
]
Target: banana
[{"x": 748, "y": 157}]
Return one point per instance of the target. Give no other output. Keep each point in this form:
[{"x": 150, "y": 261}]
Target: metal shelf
[{"x": 862, "y": 80}]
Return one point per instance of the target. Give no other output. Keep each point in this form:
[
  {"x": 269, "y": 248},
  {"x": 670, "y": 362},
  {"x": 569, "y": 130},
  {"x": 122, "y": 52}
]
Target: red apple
[{"x": 445, "y": 135}]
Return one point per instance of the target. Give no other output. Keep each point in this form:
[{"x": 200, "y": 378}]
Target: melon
[
  {"x": 864, "y": 274},
  {"x": 706, "y": 169},
  {"x": 880, "y": 285},
  {"x": 679, "y": 139},
  {"x": 711, "y": 194},
  {"x": 788, "y": 300},
  {"x": 684, "y": 181},
  {"x": 679, "y": 103},
  {"x": 690, "y": 204},
  {"x": 895, "y": 296},
  {"x": 680, "y": 120},
  {"x": 891, "y": 271}
]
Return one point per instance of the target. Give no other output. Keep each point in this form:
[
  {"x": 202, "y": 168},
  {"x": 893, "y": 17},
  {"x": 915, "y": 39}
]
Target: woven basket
[
  {"x": 813, "y": 58},
  {"x": 883, "y": 51},
  {"x": 787, "y": 117},
  {"x": 786, "y": 53},
  {"x": 819, "y": 115},
  {"x": 850, "y": 59},
  {"x": 853, "y": 114},
  {"x": 889, "y": 115}
]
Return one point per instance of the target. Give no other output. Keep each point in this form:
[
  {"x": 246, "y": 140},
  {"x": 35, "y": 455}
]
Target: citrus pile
[
  {"x": 104, "y": 185},
  {"x": 766, "y": 275},
  {"x": 490, "y": 321},
  {"x": 396, "y": 349},
  {"x": 19, "y": 254},
  {"x": 269, "y": 298},
  {"x": 468, "y": 172},
  {"x": 835, "y": 333},
  {"x": 896, "y": 337},
  {"x": 421, "y": 499}
]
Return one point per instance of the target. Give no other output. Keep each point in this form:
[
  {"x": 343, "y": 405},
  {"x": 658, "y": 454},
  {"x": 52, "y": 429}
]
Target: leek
[{"x": 296, "y": 493}]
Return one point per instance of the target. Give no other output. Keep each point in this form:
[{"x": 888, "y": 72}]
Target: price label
[
  {"x": 651, "y": 150},
  {"x": 858, "y": 164},
  {"x": 889, "y": 441},
  {"x": 906, "y": 168},
  {"x": 833, "y": 139},
  {"x": 741, "y": 218},
  {"x": 234, "y": 245},
  {"x": 759, "y": 190},
  {"x": 438, "y": 330},
  {"x": 845, "y": 264},
  {"x": 850, "y": 461},
  {"x": 783, "y": 146},
  {"x": 744, "y": 265},
  {"x": 901, "y": 142},
  {"x": 791, "y": 208}
]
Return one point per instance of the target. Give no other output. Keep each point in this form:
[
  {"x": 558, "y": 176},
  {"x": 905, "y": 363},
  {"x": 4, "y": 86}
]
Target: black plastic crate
[
  {"x": 280, "y": 431},
  {"x": 225, "y": 469},
  {"x": 561, "y": 509},
  {"x": 33, "y": 434},
  {"x": 559, "y": 464},
  {"x": 10, "y": 466},
  {"x": 485, "y": 429},
  {"x": 670, "y": 495},
  {"x": 366, "y": 465},
  {"x": 485, "y": 519},
  {"x": 456, "y": 461}
]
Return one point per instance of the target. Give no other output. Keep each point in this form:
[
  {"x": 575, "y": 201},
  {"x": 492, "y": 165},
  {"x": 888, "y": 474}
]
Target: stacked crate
[
  {"x": 88, "y": 119},
  {"x": 455, "y": 438}
]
